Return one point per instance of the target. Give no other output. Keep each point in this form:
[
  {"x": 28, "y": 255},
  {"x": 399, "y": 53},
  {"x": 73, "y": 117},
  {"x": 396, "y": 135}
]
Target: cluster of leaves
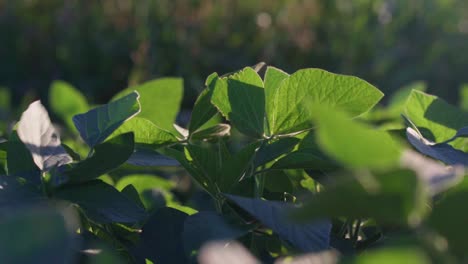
[{"x": 284, "y": 164}]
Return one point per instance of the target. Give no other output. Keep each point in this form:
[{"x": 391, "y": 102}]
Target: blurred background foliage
[{"x": 103, "y": 46}]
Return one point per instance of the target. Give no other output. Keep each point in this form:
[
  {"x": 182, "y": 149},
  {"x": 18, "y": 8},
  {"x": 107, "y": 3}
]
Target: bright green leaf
[
  {"x": 66, "y": 101},
  {"x": 146, "y": 133},
  {"x": 289, "y": 102},
  {"x": 144, "y": 182},
  {"x": 353, "y": 144},
  {"x": 391, "y": 256},
  {"x": 160, "y": 100},
  {"x": 203, "y": 110},
  {"x": 241, "y": 99},
  {"x": 437, "y": 120}
]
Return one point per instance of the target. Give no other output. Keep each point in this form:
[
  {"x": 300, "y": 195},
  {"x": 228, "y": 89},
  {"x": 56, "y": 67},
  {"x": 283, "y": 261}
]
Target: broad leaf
[
  {"x": 146, "y": 133},
  {"x": 199, "y": 174},
  {"x": 396, "y": 197},
  {"x": 353, "y": 144},
  {"x": 207, "y": 226},
  {"x": 3, "y": 157},
  {"x": 107, "y": 156},
  {"x": 437, "y": 120},
  {"x": 236, "y": 166},
  {"x": 216, "y": 131},
  {"x": 273, "y": 79},
  {"x": 66, "y": 101},
  {"x": 437, "y": 176},
  {"x": 274, "y": 149},
  {"x": 20, "y": 162},
  {"x": 144, "y": 157},
  {"x": 144, "y": 182},
  {"x": 160, "y": 100},
  {"x": 289, "y": 102},
  {"x": 449, "y": 217},
  {"x": 241, "y": 99},
  {"x": 306, "y": 159},
  {"x": 98, "y": 124},
  {"x": 442, "y": 151},
  {"x": 102, "y": 203},
  {"x": 390, "y": 255},
  {"x": 161, "y": 237},
  {"x": 203, "y": 110},
  {"x": 463, "y": 95},
  {"x": 133, "y": 194},
  {"x": 310, "y": 237},
  {"x": 38, "y": 235},
  {"x": 41, "y": 138},
  {"x": 14, "y": 193},
  {"x": 396, "y": 103}
]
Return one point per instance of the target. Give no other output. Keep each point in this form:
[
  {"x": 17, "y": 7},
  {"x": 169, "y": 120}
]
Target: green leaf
[
  {"x": 198, "y": 173},
  {"x": 437, "y": 120},
  {"x": 274, "y": 149},
  {"x": 41, "y": 138},
  {"x": 146, "y": 133},
  {"x": 38, "y": 235},
  {"x": 449, "y": 217},
  {"x": 306, "y": 159},
  {"x": 392, "y": 255},
  {"x": 236, "y": 166},
  {"x": 463, "y": 95},
  {"x": 98, "y": 124},
  {"x": 5, "y": 100},
  {"x": 144, "y": 182},
  {"x": 151, "y": 158},
  {"x": 133, "y": 194},
  {"x": 310, "y": 237},
  {"x": 107, "y": 157},
  {"x": 66, "y": 101},
  {"x": 216, "y": 131},
  {"x": 19, "y": 160},
  {"x": 278, "y": 181},
  {"x": 396, "y": 103},
  {"x": 160, "y": 100},
  {"x": 102, "y": 203},
  {"x": 241, "y": 99},
  {"x": 273, "y": 79},
  {"x": 14, "y": 192},
  {"x": 395, "y": 197},
  {"x": 353, "y": 144},
  {"x": 441, "y": 151},
  {"x": 207, "y": 226},
  {"x": 203, "y": 110},
  {"x": 3, "y": 157},
  {"x": 287, "y": 105},
  {"x": 161, "y": 237},
  {"x": 206, "y": 160}
]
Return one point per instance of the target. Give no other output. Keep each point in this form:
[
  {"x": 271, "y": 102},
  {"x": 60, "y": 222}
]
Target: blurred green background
[{"x": 103, "y": 46}]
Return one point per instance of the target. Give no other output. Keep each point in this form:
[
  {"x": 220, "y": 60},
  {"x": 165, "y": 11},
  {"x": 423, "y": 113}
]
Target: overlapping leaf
[
  {"x": 287, "y": 105},
  {"x": 160, "y": 100},
  {"x": 41, "y": 138},
  {"x": 99, "y": 123}
]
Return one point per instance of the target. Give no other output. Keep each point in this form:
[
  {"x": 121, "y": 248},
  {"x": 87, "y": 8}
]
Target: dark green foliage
[{"x": 303, "y": 164}]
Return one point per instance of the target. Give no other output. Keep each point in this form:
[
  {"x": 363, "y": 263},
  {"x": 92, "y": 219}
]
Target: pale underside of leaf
[{"x": 41, "y": 138}]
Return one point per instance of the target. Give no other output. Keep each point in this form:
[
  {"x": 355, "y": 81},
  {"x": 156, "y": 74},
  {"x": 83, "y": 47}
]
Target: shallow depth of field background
[{"x": 103, "y": 46}]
